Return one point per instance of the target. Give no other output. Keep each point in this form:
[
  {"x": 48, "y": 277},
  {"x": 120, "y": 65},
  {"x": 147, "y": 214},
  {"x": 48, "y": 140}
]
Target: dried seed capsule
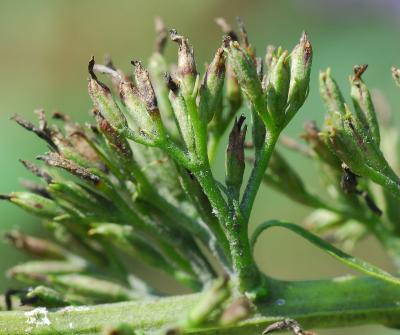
[
  {"x": 300, "y": 69},
  {"x": 211, "y": 89},
  {"x": 141, "y": 104},
  {"x": 35, "y": 204},
  {"x": 330, "y": 93},
  {"x": 234, "y": 161},
  {"x": 35, "y": 246},
  {"x": 364, "y": 108},
  {"x": 187, "y": 73},
  {"x": 118, "y": 142},
  {"x": 104, "y": 101},
  {"x": 278, "y": 88},
  {"x": 56, "y": 160}
]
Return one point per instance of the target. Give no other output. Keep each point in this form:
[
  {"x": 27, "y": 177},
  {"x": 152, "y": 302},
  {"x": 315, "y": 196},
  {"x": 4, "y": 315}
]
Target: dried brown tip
[
  {"x": 91, "y": 68},
  {"x": 5, "y": 197},
  {"x": 226, "y": 41},
  {"x": 358, "y": 71},
  {"x": 56, "y": 160},
  {"x": 162, "y": 34},
  {"x": 35, "y": 188},
  {"x": 36, "y": 171},
  {"x": 171, "y": 83},
  {"x": 175, "y": 37},
  {"x": 61, "y": 116},
  {"x": 144, "y": 85},
  {"x": 243, "y": 33},
  {"x": 43, "y": 132},
  {"x": 226, "y": 28}
]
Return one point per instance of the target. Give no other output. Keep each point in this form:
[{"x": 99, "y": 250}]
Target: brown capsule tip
[
  {"x": 5, "y": 197},
  {"x": 171, "y": 83},
  {"x": 226, "y": 28},
  {"x": 91, "y": 67},
  {"x": 226, "y": 41},
  {"x": 240, "y": 121},
  {"x": 162, "y": 34},
  {"x": 243, "y": 33},
  {"x": 61, "y": 116},
  {"x": 358, "y": 71},
  {"x": 175, "y": 37}
]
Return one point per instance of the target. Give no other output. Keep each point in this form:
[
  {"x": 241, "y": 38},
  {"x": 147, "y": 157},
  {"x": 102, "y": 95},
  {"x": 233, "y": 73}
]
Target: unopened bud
[
  {"x": 245, "y": 70},
  {"x": 234, "y": 163},
  {"x": 300, "y": 69},
  {"x": 211, "y": 89},
  {"x": 330, "y": 93},
  {"x": 278, "y": 88},
  {"x": 187, "y": 73},
  {"x": 363, "y": 106},
  {"x": 104, "y": 101}
]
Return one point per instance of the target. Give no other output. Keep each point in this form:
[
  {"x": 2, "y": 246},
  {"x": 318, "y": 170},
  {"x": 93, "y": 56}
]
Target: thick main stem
[
  {"x": 315, "y": 304},
  {"x": 248, "y": 275}
]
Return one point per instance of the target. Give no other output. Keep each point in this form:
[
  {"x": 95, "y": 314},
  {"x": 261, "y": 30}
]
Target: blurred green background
[{"x": 45, "y": 46}]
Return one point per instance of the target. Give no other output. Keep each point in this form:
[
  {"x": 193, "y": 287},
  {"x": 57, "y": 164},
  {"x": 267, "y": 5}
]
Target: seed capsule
[
  {"x": 364, "y": 108},
  {"x": 187, "y": 73},
  {"x": 211, "y": 89},
  {"x": 300, "y": 69},
  {"x": 246, "y": 73},
  {"x": 330, "y": 93},
  {"x": 104, "y": 101},
  {"x": 278, "y": 88}
]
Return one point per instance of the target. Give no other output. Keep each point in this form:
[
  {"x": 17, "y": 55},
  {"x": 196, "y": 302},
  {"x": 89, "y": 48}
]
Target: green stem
[
  {"x": 235, "y": 229},
  {"x": 332, "y": 303},
  {"x": 257, "y": 174}
]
